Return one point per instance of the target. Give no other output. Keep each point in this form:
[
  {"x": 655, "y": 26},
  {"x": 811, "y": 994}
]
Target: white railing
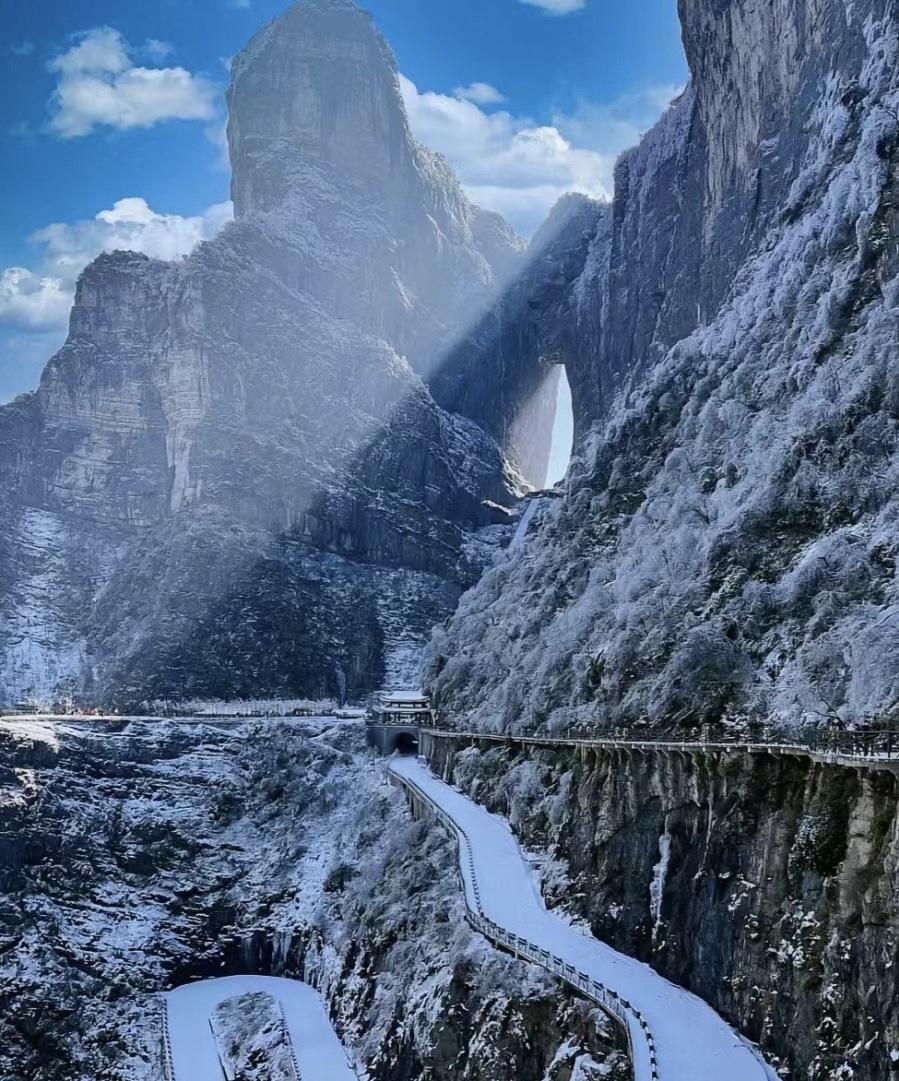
[
  {"x": 291, "y": 1048},
  {"x": 409, "y": 722},
  {"x": 168, "y": 1061},
  {"x": 619, "y": 1009}
]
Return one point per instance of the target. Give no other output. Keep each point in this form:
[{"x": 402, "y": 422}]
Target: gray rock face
[
  {"x": 235, "y": 477},
  {"x": 763, "y": 884},
  {"x": 727, "y": 548},
  {"x": 535, "y": 319}
]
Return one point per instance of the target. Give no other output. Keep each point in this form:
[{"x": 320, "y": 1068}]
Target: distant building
[
  {"x": 403, "y": 708},
  {"x": 395, "y": 719}
]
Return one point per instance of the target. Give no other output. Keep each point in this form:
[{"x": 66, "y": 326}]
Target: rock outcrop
[
  {"x": 537, "y": 316},
  {"x": 726, "y": 551},
  {"x": 235, "y": 477}
]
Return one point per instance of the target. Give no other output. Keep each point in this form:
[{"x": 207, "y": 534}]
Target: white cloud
[
  {"x": 130, "y": 225},
  {"x": 99, "y": 84},
  {"x": 480, "y": 94},
  {"x": 30, "y": 301},
  {"x": 40, "y": 299},
  {"x": 102, "y": 50},
  {"x": 557, "y": 7},
  {"x": 616, "y": 125},
  {"x": 157, "y": 50},
  {"x": 22, "y": 48},
  {"x": 520, "y": 168},
  {"x": 505, "y": 163}
]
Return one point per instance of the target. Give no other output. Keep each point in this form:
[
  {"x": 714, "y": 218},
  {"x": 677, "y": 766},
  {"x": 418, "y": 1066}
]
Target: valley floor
[{"x": 144, "y": 855}]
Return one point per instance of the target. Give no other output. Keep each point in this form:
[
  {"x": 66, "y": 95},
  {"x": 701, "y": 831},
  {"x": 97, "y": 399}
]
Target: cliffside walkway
[
  {"x": 672, "y": 1034},
  {"x": 877, "y": 750},
  {"x": 190, "y": 1052}
]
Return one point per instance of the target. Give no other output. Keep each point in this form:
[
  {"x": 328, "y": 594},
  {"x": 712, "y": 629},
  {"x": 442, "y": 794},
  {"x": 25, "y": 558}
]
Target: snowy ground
[
  {"x": 155, "y": 854},
  {"x": 319, "y": 1053},
  {"x": 693, "y": 1043}
]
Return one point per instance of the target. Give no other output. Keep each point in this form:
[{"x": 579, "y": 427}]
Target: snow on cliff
[{"x": 727, "y": 547}]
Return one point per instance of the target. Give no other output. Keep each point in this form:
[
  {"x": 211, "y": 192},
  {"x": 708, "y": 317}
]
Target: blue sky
[{"x": 112, "y": 122}]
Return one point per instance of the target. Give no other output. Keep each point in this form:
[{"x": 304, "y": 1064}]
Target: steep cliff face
[
  {"x": 138, "y": 860},
  {"x": 765, "y": 885},
  {"x": 248, "y": 437},
  {"x": 726, "y": 548}
]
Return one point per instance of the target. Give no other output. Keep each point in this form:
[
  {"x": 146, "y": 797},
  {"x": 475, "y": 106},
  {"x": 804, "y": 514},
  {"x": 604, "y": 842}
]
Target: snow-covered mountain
[
  {"x": 726, "y": 549},
  {"x": 253, "y": 471},
  {"x": 263, "y": 469}
]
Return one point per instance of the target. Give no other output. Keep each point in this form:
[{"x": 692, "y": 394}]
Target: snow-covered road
[
  {"x": 319, "y": 1053},
  {"x": 692, "y": 1042}
]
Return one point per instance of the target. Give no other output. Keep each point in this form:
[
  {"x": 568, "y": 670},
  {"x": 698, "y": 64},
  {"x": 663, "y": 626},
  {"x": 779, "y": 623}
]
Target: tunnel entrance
[
  {"x": 406, "y": 744},
  {"x": 390, "y": 739},
  {"x": 563, "y": 432}
]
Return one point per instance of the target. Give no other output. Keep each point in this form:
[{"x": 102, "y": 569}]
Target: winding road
[
  {"x": 687, "y": 1040},
  {"x": 192, "y": 1053}
]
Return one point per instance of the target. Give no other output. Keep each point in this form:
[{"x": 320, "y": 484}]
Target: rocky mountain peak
[
  {"x": 316, "y": 89},
  {"x": 287, "y": 394}
]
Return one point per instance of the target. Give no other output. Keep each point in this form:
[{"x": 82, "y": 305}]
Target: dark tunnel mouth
[{"x": 406, "y": 744}]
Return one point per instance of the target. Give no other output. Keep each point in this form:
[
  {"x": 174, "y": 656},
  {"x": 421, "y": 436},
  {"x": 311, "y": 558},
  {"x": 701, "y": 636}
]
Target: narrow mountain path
[
  {"x": 192, "y": 1053},
  {"x": 687, "y": 1040}
]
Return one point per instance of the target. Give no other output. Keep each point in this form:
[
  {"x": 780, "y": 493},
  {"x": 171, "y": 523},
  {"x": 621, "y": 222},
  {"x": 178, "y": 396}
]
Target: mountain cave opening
[{"x": 563, "y": 432}]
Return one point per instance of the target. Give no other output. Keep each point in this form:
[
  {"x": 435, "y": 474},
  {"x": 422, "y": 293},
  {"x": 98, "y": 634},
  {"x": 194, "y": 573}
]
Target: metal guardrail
[
  {"x": 853, "y": 743},
  {"x": 826, "y": 740},
  {"x": 869, "y": 748},
  {"x": 461, "y": 837},
  {"x": 291, "y": 1048},
  {"x": 619, "y": 1009},
  {"x": 168, "y": 1061}
]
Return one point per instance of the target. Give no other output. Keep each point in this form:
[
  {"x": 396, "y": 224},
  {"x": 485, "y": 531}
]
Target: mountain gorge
[
  {"x": 253, "y": 471},
  {"x": 279, "y": 466}
]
